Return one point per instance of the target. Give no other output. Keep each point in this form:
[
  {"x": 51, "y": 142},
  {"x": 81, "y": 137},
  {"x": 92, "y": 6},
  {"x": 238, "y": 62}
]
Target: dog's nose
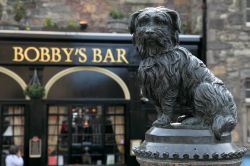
[{"x": 149, "y": 31}]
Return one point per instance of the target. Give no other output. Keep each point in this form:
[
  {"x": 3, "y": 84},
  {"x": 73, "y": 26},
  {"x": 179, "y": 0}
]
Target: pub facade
[{"x": 89, "y": 110}]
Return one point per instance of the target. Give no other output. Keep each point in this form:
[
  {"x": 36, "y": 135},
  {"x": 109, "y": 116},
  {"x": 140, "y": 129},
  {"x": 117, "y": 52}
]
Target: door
[{"x": 85, "y": 134}]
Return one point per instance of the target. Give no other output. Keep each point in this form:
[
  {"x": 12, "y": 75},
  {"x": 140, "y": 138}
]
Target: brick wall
[
  {"x": 228, "y": 52},
  {"x": 96, "y": 13}
]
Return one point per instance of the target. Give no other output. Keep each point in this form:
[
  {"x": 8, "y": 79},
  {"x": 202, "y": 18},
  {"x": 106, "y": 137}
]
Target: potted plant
[
  {"x": 49, "y": 24},
  {"x": 19, "y": 11},
  {"x": 118, "y": 21},
  {"x": 35, "y": 91},
  {"x": 72, "y": 25},
  {"x": 116, "y": 14}
]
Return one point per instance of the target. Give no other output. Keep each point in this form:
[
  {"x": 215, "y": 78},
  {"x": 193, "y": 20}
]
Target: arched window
[{"x": 247, "y": 89}]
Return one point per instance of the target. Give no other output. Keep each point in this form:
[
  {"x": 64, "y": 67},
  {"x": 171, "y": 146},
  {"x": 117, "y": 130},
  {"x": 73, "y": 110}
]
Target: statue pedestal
[{"x": 179, "y": 146}]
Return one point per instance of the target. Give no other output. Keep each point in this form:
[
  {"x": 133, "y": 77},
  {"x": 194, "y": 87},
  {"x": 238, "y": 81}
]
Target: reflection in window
[
  {"x": 86, "y": 135},
  {"x": 12, "y": 131}
]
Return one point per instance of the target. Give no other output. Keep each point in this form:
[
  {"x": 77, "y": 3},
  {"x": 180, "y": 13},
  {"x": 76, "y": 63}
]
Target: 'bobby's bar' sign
[{"x": 86, "y": 54}]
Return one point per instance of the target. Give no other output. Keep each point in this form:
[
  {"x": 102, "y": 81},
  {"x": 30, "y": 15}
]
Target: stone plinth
[
  {"x": 148, "y": 162},
  {"x": 178, "y": 146}
]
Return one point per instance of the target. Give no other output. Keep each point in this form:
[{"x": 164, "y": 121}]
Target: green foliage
[
  {"x": 19, "y": 11},
  {"x": 73, "y": 24},
  {"x": 117, "y": 14},
  {"x": 186, "y": 27},
  {"x": 49, "y": 23},
  {"x": 34, "y": 91}
]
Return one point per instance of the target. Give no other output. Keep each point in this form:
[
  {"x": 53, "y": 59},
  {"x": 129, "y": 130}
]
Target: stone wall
[
  {"x": 228, "y": 52},
  {"x": 67, "y": 13}
]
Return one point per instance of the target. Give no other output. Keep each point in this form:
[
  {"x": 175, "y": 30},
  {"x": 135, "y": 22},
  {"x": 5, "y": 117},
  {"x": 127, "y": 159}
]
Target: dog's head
[{"x": 154, "y": 30}]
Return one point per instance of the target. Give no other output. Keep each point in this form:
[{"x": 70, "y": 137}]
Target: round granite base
[
  {"x": 178, "y": 146},
  {"x": 147, "y": 162}
]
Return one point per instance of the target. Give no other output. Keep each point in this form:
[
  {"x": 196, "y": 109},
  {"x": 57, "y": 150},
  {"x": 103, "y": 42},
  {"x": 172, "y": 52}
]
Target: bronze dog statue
[{"x": 175, "y": 80}]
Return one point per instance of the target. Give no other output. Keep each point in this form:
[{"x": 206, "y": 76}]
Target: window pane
[
  {"x": 116, "y": 110},
  {"x": 247, "y": 93},
  {"x": 52, "y": 140},
  {"x": 247, "y": 83},
  {"x": 18, "y": 120},
  {"x": 119, "y": 129},
  {"x": 53, "y": 129},
  {"x": 248, "y": 15},
  {"x": 248, "y": 124},
  {"x": 51, "y": 150},
  {"x": 248, "y": 3},
  {"x": 18, "y": 110},
  {"x": 18, "y": 130},
  {"x": 120, "y": 139},
  {"x": 62, "y": 110},
  {"x": 52, "y": 119},
  {"x": 53, "y": 110}
]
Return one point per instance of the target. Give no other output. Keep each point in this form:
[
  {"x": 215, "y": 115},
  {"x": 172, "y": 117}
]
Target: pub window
[
  {"x": 248, "y": 124},
  {"x": 248, "y": 13},
  {"x": 12, "y": 128},
  {"x": 57, "y": 147},
  {"x": 86, "y": 135},
  {"x": 247, "y": 89}
]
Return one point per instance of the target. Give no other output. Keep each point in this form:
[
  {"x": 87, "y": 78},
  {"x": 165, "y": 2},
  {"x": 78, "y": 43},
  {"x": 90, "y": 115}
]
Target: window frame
[
  {"x": 247, "y": 124},
  {"x": 246, "y": 10},
  {"x": 247, "y": 89}
]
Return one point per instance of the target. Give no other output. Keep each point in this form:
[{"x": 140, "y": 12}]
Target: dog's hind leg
[
  {"x": 205, "y": 103},
  {"x": 216, "y": 104}
]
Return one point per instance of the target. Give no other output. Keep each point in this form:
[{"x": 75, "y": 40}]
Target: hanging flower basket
[{"x": 35, "y": 91}]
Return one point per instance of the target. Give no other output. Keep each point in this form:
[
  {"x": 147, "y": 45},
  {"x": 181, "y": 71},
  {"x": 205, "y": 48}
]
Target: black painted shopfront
[{"x": 91, "y": 113}]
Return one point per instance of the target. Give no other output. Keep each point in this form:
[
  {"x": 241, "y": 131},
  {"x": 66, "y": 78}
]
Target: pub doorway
[{"x": 86, "y": 134}]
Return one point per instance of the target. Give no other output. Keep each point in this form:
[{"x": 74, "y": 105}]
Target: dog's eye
[
  {"x": 158, "y": 20},
  {"x": 143, "y": 21}
]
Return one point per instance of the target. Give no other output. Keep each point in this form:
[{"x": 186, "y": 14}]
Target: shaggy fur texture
[{"x": 175, "y": 80}]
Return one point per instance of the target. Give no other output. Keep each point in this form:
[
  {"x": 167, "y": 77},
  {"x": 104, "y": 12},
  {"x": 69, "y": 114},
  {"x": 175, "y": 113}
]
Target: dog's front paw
[
  {"x": 162, "y": 121},
  {"x": 192, "y": 121}
]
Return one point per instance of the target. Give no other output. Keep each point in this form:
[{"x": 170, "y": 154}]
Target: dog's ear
[
  {"x": 175, "y": 20},
  {"x": 132, "y": 21}
]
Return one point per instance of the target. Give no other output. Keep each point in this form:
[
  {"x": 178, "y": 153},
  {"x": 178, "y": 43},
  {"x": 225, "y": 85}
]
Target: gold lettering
[
  {"x": 109, "y": 55},
  {"x": 36, "y": 55},
  {"x": 83, "y": 56},
  {"x": 68, "y": 52},
  {"x": 97, "y": 57},
  {"x": 121, "y": 55},
  {"x": 45, "y": 57},
  {"x": 18, "y": 54},
  {"x": 56, "y": 56}
]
